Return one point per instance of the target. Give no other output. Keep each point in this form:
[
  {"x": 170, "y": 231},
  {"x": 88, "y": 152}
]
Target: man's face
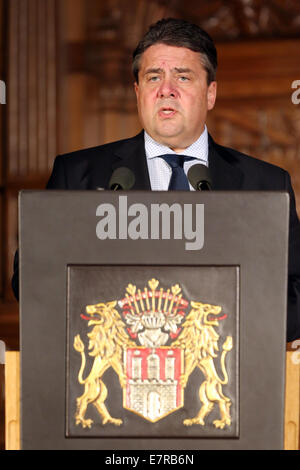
[{"x": 173, "y": 96}]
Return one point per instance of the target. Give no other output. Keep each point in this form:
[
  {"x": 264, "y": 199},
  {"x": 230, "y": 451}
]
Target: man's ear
[
  {"x": 211, "y": 95},
  {"x": 136, "y": 88}
]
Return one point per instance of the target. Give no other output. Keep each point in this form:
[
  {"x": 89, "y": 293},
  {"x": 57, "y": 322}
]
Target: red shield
[{"x": 153, "y": 388}]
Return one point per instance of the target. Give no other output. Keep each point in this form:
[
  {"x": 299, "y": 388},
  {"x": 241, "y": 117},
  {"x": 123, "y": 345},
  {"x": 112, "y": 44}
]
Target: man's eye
[
  {"x": 184, "y": 79},
  {"x": 154, "y": 78}
]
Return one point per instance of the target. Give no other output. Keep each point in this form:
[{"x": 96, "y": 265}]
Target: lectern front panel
[{"x": 153, "y": 320}]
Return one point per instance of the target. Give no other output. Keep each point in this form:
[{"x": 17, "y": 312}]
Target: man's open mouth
[{"x": 167, "y": 111}]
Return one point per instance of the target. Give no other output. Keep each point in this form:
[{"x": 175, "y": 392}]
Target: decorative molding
[
  {"x": 112, "y": 20},
  {"x": 244, "y": 19}
]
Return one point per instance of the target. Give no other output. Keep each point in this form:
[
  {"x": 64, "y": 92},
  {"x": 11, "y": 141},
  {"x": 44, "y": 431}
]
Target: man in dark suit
[{"x": 175, "y": 67}]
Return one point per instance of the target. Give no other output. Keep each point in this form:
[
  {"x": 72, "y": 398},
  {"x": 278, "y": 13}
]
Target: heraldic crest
[{"x": 154, "y": 344}]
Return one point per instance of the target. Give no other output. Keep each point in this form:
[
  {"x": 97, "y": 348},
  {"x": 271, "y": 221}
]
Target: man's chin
[
  {"x": 175, "y": 143},
  {"x": 167, "y": 136}
]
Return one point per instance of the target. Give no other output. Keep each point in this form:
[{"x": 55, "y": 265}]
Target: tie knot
[{"x": 175, "y": 160}]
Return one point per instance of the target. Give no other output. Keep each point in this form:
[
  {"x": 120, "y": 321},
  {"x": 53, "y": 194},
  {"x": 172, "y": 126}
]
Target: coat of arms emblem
[{"x": 154, "y": 342}]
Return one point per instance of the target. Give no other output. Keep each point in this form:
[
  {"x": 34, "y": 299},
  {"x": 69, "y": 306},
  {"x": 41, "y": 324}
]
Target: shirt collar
[{"x": 198, "y": 149}]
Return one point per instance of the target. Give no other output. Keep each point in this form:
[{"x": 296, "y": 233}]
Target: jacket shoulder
[
  {"x": 248, "y": 162},
  {"x": 91, "y": 167},
  {"x": 94, "y": 152}
]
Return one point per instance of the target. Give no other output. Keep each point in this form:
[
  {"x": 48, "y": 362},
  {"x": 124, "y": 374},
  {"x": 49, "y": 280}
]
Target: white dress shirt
[{"x": 160, "y": 172}]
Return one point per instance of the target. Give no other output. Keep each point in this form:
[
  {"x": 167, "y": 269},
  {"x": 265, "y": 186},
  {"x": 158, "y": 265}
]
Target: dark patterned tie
[{"x": 178, "y": 179}]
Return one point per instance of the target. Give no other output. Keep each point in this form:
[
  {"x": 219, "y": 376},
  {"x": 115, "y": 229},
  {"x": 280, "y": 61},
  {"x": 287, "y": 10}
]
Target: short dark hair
[{"x": 179, "y": 33}]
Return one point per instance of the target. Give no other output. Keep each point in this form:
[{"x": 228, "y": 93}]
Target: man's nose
[{"x": 167, "y": 89}]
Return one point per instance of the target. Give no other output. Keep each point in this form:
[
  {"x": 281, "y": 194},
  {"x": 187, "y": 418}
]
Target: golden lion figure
[
  {"x": 108, "y": 340},
  {"x": 199, "y": 341}
]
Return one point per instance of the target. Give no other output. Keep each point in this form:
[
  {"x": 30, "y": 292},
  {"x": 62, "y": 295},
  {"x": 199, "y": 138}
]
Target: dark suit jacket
[{"x": 230, "y": 170}]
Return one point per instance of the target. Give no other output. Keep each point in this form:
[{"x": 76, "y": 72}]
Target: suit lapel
[
  {"x": 132, "y": 155},
  {"x": 129, "y": 153},
  {"x": 225, "y": 174}
]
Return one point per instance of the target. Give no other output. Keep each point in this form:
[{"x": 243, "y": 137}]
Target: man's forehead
[{"x": 162, "y": 55}]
